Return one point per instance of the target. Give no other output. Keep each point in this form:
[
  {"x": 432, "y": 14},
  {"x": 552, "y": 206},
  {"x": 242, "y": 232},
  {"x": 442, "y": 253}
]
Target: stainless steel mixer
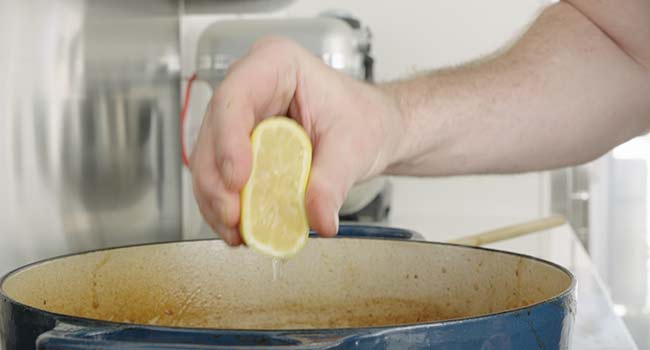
[{"x": 89, "y": 121}]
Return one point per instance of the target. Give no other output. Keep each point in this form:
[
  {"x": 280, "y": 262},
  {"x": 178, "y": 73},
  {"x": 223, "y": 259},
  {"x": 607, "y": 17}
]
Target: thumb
[{"x": 331, "y": 177}]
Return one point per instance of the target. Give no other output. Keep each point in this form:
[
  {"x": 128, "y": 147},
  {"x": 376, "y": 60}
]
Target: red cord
[{"x": 184, "y": 157}]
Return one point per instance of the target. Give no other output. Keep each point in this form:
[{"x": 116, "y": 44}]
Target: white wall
[{"x": 417, "y": 35}]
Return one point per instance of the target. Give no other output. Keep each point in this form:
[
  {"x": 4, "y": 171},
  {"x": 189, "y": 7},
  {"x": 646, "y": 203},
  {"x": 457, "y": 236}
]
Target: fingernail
[
  {"x": 336, "y": 221},
  {"x": 227, "y": 172}
]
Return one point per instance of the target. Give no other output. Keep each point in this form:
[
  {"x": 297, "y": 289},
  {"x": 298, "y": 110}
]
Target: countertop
[{"x": 597, "y": 325}]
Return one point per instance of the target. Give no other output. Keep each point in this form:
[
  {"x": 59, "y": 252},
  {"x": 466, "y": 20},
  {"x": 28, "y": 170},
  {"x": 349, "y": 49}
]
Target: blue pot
[{"x": 424, "y": 296}]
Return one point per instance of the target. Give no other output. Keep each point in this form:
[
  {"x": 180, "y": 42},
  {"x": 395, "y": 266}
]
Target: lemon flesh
[{"x": 273, "y": 216}]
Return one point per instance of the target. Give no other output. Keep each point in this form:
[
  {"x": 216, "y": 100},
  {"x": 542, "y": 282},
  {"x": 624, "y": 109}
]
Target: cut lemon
[{"x": 273, "y": 216}]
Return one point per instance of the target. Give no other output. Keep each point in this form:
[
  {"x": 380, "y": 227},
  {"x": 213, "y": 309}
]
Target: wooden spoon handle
[{"x": 513, "y": 231}]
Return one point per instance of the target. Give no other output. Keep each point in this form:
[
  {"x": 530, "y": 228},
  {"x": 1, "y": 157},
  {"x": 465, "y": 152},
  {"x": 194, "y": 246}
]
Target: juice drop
[{"x": 276, "y": 268}]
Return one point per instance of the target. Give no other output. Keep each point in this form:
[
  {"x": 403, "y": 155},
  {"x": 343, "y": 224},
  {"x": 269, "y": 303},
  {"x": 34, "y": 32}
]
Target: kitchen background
[{"x": 606, "y": 201}]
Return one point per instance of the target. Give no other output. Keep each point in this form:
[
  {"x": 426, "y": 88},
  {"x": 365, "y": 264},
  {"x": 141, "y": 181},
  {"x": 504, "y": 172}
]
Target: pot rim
[{"x": 570, "y": 290}]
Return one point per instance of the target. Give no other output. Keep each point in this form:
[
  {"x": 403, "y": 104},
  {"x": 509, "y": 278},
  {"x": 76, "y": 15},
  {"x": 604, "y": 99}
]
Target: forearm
[{"x": 563, "y": 94}]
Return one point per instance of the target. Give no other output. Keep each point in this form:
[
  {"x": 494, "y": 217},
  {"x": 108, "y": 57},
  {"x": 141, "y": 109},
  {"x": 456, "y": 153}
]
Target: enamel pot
[{"x": 370, "y": 288}]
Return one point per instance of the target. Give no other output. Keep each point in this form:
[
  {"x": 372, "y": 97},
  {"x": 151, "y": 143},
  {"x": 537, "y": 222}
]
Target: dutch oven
[{"x": 370, "y": 288}]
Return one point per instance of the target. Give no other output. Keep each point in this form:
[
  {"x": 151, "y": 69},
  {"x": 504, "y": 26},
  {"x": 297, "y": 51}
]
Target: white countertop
[{"x": 597, "y": 326}]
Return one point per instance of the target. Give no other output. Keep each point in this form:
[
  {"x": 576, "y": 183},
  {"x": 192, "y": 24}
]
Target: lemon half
[{"x": 273, "y": 216}]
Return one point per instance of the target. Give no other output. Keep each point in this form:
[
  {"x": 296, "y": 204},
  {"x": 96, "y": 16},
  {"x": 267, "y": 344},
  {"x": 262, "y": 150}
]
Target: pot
[{"x": 370, "y": 288}]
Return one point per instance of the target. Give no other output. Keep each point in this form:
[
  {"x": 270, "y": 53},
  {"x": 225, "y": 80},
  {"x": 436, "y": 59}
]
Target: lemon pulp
[{"x": 273, "y": 216}]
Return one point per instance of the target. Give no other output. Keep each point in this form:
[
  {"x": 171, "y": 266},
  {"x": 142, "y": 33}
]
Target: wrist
[{"x": 396, "y": 116}]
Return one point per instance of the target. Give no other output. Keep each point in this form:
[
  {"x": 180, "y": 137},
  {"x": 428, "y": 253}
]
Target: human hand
[{"x": 354, "y": 129}]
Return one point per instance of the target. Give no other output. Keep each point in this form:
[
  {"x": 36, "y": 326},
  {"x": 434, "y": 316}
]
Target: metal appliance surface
[
  {"x": 333, "y": 40},
  {"x": 89, "y": 104},
  {"x": 342, "y": 293},
  {"x": 233, "y": 6}
]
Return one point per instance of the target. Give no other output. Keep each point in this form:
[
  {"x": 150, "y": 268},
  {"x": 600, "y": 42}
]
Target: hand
[{"x": 354, "y": 129}]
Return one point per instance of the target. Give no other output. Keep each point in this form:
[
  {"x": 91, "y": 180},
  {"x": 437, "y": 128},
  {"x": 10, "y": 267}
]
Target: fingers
[
  {"x": 323, "y": 206},
  {"x": 220, "y": 164},
  {"x": 332, "y": 175},
  {"x": 231, "y": 123},
  {"x": 218, "y": 205},
  {"x": 258, "y": 86}
]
